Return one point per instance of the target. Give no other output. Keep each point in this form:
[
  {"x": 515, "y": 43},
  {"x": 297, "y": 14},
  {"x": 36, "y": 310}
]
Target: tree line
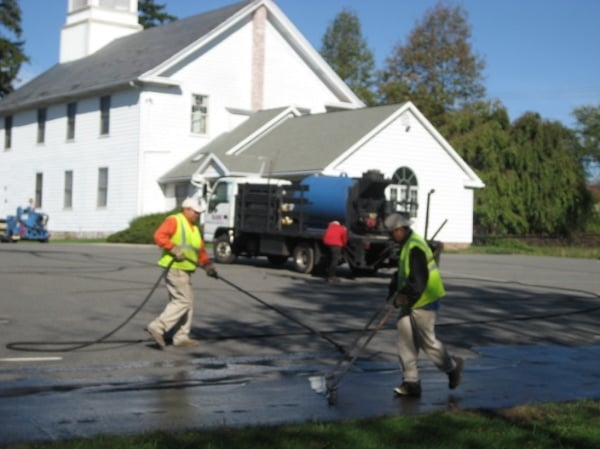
[{"x": 535, "y": 170}]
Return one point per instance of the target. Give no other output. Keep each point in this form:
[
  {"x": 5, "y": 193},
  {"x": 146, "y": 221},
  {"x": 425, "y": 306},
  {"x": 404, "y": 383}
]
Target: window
[
  {"x": 41, "y": 129},
  {"x": 39, "y": 187},
  {"x": 404, "y": 191},
  {"x": 199, "y": 114},
  {"x": 104, "y": 114},
  {"x": 102, "y": 187},
  {"x": 7, "y": 132},
  {"x": 220, "y": 194},
  {"x": 181, "y": 192},
  {"x": 71, "y": 112},
  {"x": 119, "y": 5},
  {"x": 68, "y": 194},
  {"x": 78, "y": 4}
]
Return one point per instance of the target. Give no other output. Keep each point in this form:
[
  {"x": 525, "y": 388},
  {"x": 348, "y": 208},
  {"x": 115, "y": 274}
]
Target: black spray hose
[
  {"x": 42, "y": 346},
  {"x": 45, "y": 346},
  {"x": 339, "y": 347}
]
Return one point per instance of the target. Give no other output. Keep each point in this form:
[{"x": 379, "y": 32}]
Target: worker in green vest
[
  {"x": 182, "y": 251},
  {"x": 416, "y": 289}
]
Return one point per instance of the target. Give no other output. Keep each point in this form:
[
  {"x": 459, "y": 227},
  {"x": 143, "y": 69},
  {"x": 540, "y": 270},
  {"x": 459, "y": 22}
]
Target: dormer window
[{"x": 199, "y": 114}]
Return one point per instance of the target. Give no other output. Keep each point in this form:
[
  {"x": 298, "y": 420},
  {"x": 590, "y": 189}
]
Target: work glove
[
  {"x": 210, "y": 271},
  {"x": 401, "y": 300},
  {"x": 177, "y": 253}
]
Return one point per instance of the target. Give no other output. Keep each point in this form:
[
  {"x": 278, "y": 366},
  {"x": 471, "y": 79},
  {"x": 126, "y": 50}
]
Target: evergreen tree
[
  {"x": 534, "y": 183},
  {"x": 437, "y": 69},
  {"x": 12, "y": 55},
  {"x": 552, "y": 185},
  {"x": 152, "y": 14},
  {"x": 587, "y": 132},
  {"x": 346, "y": 51},
  {"x": 481, "y": 134}
]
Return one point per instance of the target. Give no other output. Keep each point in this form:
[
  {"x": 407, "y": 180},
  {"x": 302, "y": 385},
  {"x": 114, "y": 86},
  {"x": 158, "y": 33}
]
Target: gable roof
[
  {"x": 309, "y": 143},
  {"x": 120, "y": 62},
  {"x": 216, "y": 149},
  {"x": 143, "y": 56},
  {"x": 299, "y": 145}
]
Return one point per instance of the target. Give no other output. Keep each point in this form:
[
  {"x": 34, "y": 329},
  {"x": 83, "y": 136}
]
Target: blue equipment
[
  {"x": 28, "y": 224},
  {"x": 326, "y": 197}
]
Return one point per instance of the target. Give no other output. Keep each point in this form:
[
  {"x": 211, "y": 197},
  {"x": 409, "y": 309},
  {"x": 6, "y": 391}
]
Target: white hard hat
[
  {"x": 193, "y": 204},
  {"x": 395, "y": 221}
]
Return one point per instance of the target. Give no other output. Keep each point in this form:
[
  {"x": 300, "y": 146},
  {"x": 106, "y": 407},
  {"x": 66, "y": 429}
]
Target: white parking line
[{"x": 30, "y": 359}]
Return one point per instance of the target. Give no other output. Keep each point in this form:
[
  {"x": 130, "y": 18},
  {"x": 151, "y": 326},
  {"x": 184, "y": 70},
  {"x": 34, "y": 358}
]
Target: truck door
[{"x": 220, "y": 212}]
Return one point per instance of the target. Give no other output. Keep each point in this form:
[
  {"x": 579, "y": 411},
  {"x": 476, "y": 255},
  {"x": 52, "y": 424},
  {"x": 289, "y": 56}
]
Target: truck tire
[
  {"x": 304, "y": 258},
  {"x": 222, "y": 250},
  {"x": 2, "y": 230}
]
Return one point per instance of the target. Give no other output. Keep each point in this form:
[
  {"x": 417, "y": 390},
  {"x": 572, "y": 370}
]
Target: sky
[{"x": 541, "y": 55}]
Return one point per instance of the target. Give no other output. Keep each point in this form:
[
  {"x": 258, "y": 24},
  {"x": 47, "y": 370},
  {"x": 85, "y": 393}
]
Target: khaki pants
[
  {"x": 180, "y": 309},
  {"x": 416, "y": 335}
]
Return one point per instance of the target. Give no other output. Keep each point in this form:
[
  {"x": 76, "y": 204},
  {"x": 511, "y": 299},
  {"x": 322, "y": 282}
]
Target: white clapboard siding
[
  {"x": 393, "y": 147},
  {"x": 289, "y": 80}
]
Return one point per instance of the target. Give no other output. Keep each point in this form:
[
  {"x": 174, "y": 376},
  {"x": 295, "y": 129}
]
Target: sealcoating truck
[{"x": 278, "y": 219}]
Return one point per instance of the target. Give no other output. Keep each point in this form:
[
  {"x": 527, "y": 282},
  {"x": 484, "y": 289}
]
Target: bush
[{"x": 141, "y": 229}]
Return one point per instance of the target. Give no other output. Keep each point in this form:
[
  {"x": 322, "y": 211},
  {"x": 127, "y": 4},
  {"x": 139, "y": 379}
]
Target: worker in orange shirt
[
  {"x": 335, "y": 238},
  {"x": 182, "y": 251}
]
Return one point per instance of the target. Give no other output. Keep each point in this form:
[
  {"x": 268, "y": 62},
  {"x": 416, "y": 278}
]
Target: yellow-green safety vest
[
  {"x": 188, "y": 238},
  {"x": 434, "y": 289}
]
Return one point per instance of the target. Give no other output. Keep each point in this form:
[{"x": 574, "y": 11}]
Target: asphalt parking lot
[{"x": 527, "y": 327}]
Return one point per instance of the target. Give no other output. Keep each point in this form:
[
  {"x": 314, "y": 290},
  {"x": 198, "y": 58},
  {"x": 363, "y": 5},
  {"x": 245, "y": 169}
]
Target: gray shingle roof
[
  {"x": 221, "y": 144},
  {"x": 307, "y": 144},
  {"x": 298, "y": 146},
  {"x": 118, "y": 63}
]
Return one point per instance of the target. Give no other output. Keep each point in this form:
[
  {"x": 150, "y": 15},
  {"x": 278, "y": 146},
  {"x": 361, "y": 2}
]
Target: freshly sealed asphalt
[{"x": 526, "y": 327}]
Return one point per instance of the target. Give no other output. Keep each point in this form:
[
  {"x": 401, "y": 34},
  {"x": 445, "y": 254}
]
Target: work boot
[
  {"x": 157, "y": 335},
  {"x": 455, "y": 376},
  {"x": 186, "y": 342},
  {"x": 410, "y": 389}
]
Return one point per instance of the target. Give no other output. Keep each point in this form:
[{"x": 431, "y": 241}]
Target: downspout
[{"x": 427, "y": 213}]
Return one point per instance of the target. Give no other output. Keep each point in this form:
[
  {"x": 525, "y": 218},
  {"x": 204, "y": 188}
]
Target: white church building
[{"x": 117, "y": 128}]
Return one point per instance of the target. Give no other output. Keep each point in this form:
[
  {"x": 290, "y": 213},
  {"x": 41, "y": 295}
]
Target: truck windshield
[{"x": 219, "y": 195}]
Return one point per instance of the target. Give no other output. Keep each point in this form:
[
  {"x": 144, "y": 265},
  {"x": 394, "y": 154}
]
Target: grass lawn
[{"x": 543, "y": 426}]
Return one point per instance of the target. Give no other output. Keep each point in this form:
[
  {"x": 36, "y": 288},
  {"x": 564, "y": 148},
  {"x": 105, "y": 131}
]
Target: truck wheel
[
  {"x": 304, "y": 258},
  {"x": 277, "y": 260},
  {"x": 222, "y": 250}
]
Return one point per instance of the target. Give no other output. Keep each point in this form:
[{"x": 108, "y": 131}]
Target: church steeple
[{"x": 91, "y": 24}]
